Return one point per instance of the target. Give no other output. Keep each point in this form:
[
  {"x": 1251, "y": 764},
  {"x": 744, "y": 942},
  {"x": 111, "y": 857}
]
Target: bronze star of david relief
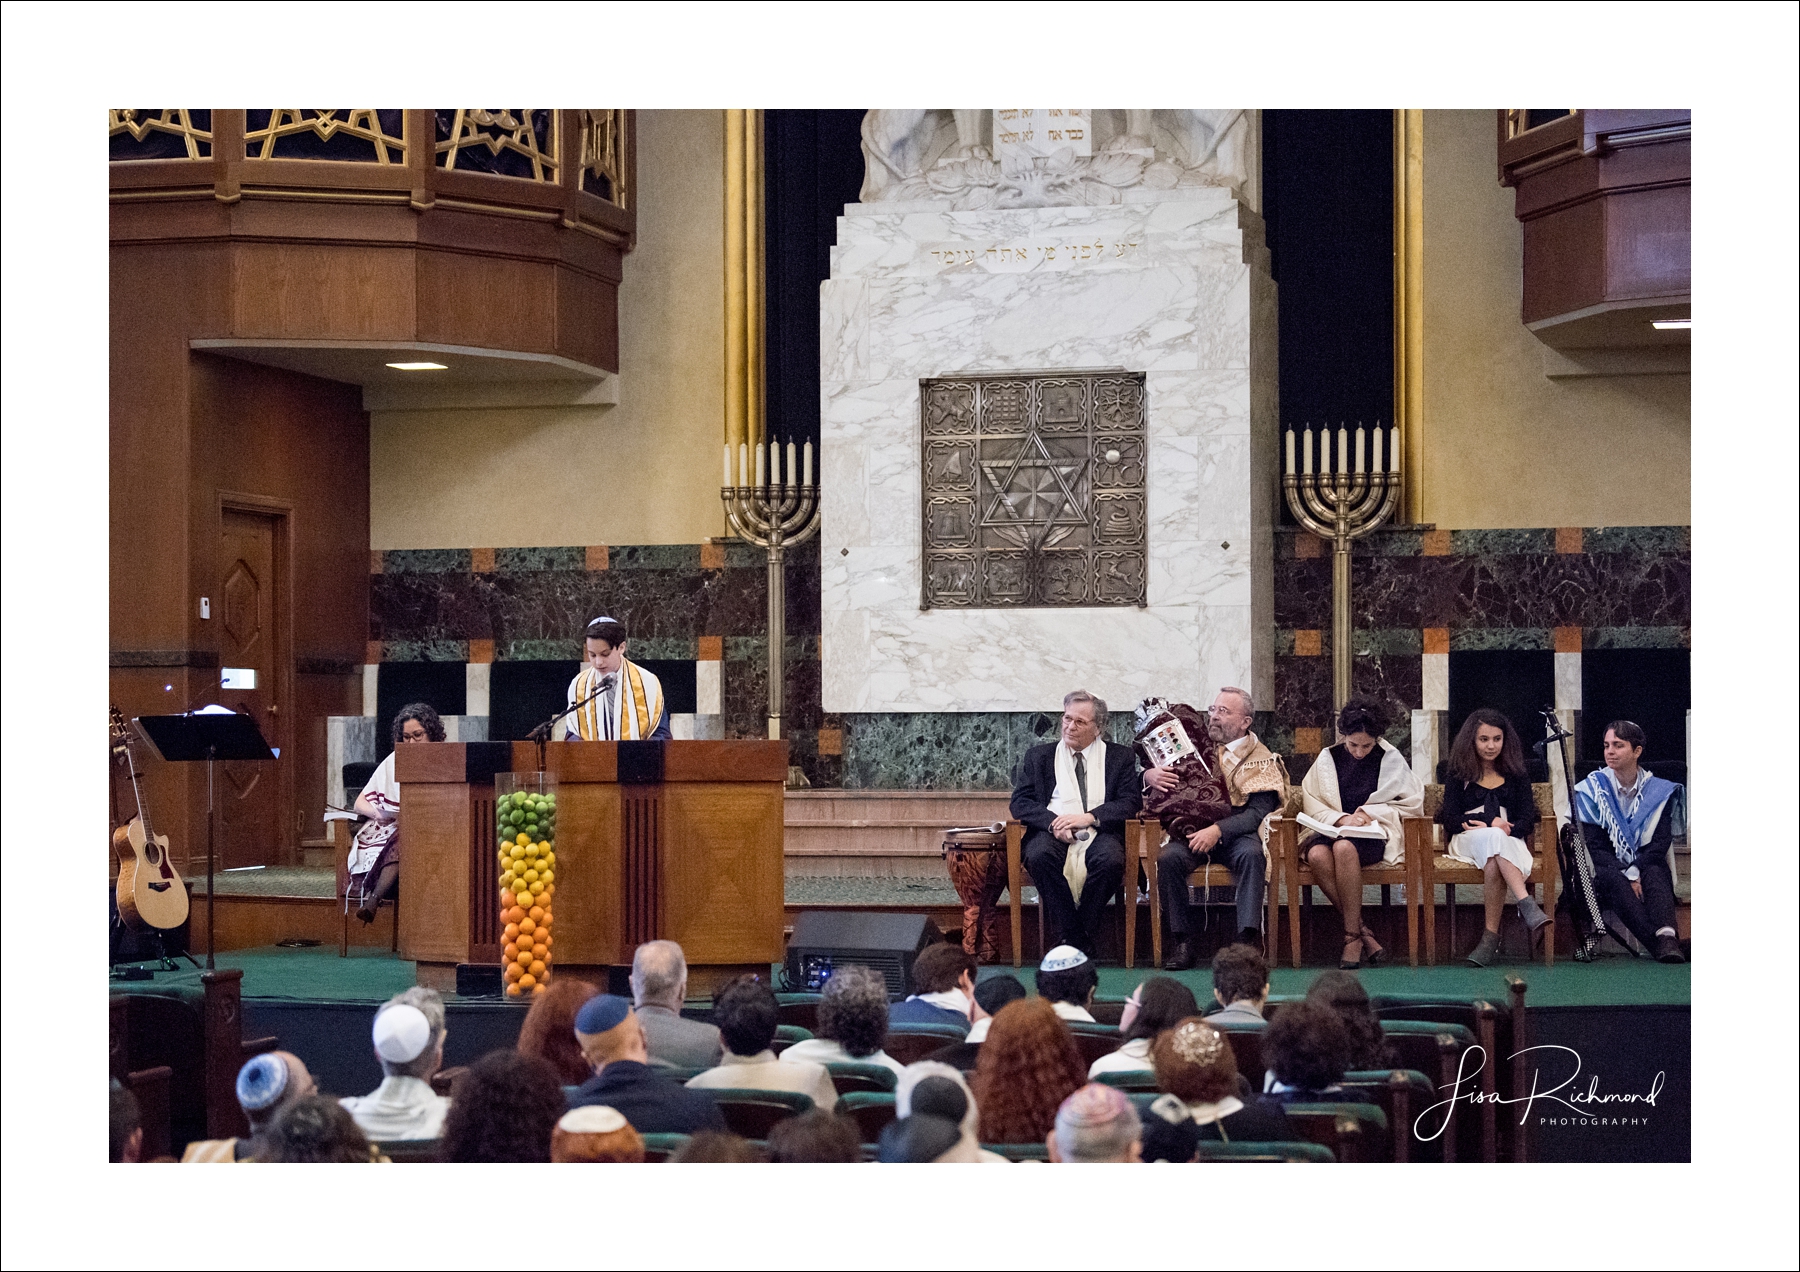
[{"x": 1034, "y": 491}]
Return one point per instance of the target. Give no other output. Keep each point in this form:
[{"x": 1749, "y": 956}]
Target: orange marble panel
[
  {"x": 481, "y": 651},
  {"x": 372, "y": 653},
  {"x": 831, "y": 741},
  {"x": 1309, "y": 642},
  {"x": 481, "y": 560},
  {"x": 597, "y": 556},
  {"x": 1308, "y": 546},
  {"x": 712, "y": 649},
  {"x": 1435, "y": 543},
  {"x": 1568, "y": 540},
  {"x": 1568, "y": 640},
  {"x": 712, "y": 556},
  {"x": 1308, "y": 741},
  {"x": 1437, "y": 640}
]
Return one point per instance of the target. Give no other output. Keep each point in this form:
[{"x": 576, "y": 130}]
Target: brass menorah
[
  {"x": 1342, "y": 502},
  {"x": 775, "y": 515}
]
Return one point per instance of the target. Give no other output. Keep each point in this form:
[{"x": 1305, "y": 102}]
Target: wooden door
[{"x": 249, "y": 603}]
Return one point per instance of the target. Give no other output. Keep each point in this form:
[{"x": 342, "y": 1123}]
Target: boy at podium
[{"x": 621, "y": 700}]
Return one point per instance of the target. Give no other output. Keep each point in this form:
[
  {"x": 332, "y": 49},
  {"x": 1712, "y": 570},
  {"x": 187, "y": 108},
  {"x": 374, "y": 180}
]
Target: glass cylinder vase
[{"x": 525, "y": 830}]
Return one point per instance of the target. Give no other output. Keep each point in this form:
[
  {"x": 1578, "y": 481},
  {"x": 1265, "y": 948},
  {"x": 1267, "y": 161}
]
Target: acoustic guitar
[{"x": 151, "y": 893}]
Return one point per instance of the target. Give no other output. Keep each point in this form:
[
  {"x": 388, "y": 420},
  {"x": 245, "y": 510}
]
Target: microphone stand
[{"x": 541, "y": 733}]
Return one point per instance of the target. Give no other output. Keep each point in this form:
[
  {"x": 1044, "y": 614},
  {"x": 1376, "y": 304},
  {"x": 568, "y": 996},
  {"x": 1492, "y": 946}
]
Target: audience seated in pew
[
  {"x": 266, "y": 1086},
  {"x": 1028, "y": 1066},
  {"x": 125, "y": 1128},
  {"x": 1344, "y": 994},
  {"x": 853, "y": 1022},
  {"x": 1096, "y": 1123},
  {"x": 1158, "y": 1003},
  {"x": 316, "y": 1128},
  {"x": 613, "y": 1042},
  {"x": 506, "y": 1109},
  {"x": 945, "y": 977},
  {"x": 935, "y": 1090},
  {"x": 1307, "y": 1051},
  {"x": 1198, "y": 1074},
  {"x": 1240, "y": 986},
  {"x": 595, "y": 1133},
  {"x": 1066, "y": 979},
  {"x": 817, "y": 1137},
  {"x": 658, "y": 990},
  {"x": 991, "y": 994},
  {"x": 746, "y": 1014},
  {"x": 409, "y": 1044},
  {"x": 717, "y": 1147},
  {"x": 549, "y": 1029}
]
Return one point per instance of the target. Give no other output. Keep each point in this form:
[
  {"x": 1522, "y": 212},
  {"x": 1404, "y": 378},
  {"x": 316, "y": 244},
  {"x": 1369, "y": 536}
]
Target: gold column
[
  {"x": 745, "y": 341},
  {"x": 1409, "y": 302}
]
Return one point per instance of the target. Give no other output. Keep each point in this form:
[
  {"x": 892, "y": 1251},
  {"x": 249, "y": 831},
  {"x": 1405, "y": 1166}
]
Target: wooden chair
[
  {"x": 1353, "y": 1132},
  {"x": 1094, "y": 1040},
  {"x": 1399, "y": 1094},
  {"x": 801, "y": 1009},
  {"x": 870, "y": 1110},
  {"x": 1424, "y": 844},
  {"x": 910, "y": 1043},
  {"x": 848, "y": 1078},
  {"x": 1210, "y": 874},
  {"x": 1017, "y": 877},
  {"x": 1284, "y": 845},
  {"x": 751, "y": 1113},
  {"x": 342, "y": 832}
]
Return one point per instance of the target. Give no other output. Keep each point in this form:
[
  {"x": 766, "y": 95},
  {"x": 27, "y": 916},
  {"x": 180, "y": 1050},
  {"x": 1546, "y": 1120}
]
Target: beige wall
[
  {"x": 1505, "y": 445},
  {"x": 643, "y": 471}
]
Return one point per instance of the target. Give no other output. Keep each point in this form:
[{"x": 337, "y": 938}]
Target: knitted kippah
[
  {"x": 1062, "y": 958},
  {"x": 261, "y": 1081}
]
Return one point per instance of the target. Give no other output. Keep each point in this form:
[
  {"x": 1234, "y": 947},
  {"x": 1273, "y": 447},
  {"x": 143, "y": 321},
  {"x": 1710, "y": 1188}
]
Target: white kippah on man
[{"x": 408, "y": 1037}]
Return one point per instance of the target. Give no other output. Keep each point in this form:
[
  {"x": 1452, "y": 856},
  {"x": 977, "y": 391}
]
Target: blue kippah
[
  {"x": 261, "y": 1081},
  {"x": 601, "y": 1013}
]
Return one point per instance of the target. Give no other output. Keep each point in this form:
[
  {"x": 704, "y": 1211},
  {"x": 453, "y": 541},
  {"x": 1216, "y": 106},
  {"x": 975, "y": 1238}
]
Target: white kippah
[
  {"x": 592, "y": 1119},
  {"x": 401, "y": 1032},
  {"x": 604, "y": 618},
  {"x": 1062, "y": 958}
]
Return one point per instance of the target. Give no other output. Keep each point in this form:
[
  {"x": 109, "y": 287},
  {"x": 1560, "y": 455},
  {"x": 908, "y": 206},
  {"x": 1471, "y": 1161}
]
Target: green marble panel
[
  {"x": 642, "y": 647},
  {"x": 552, "y": 650},
  {"x": 1490, "y": 543},
  {"x": 1642, "y": 539},
  {"x": 425, "y": 651},
  {"x": 1635, "y": 638},
  {"x": 425, "y": 561},
  {"x": 1369, "y": 641},
  {"x": 655, "y": 556},
  {"x": 527, "y": 560},
  {"x": 1463, "y": 639}
]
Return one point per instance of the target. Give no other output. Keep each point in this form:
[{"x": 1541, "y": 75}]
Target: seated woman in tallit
[{"x": 1361, "y": 784}]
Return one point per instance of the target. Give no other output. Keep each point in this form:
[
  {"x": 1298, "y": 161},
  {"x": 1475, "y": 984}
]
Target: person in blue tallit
[
  {"x": 630, "y": 704},
  {"x": 1627, "y": 819}
]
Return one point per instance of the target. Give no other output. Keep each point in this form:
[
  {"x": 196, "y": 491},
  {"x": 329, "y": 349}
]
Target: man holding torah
[{"x": 1254, "y": 784}]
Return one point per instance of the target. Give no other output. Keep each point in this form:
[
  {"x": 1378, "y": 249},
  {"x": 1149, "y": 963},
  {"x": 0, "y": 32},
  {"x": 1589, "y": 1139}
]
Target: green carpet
[{"x": 317, "y": 973}]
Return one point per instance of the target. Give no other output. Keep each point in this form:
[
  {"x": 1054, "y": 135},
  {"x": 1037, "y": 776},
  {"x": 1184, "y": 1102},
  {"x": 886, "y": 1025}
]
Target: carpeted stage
[{"x": 1627, "y": 1019}]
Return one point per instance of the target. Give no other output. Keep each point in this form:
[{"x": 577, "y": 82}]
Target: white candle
[
  {"x": 1359, "y": 450},
  {"x": 792, "y": 470},
  {"x": 1308, "y": 452},
  {"x": 1290, "y": 452},
  {"x": 759, "y": 466},
  {"x": 806, "y": 478},
  {"x": 727, "y": 463},
  {"x": 1394, "y": 449},
  {"x": 743, "y": 464},
  {"x": 1377, "y": 455},
  {"x": 1343, "y": 449}
]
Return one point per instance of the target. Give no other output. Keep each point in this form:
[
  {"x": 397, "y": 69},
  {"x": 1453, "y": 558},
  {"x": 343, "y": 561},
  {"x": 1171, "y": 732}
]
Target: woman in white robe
[{"x": 1361, "y": 782}]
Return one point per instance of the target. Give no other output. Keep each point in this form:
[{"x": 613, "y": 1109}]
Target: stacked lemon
[{"x": 527, "y": 830}]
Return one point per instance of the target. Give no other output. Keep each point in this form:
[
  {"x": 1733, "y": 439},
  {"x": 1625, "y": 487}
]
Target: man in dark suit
[
  {"x": 1074, "y": 797},
  {"x": 613, "y": 1043}
]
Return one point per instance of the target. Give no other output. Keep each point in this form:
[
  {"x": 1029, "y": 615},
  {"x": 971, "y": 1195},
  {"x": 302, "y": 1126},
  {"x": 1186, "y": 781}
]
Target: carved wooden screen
[{"x": 1033, "y": 491}]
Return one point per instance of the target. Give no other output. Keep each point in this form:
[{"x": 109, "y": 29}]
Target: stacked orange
[{"x": 527, "y": 883}]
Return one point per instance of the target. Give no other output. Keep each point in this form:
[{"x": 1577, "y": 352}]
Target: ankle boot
[
  {"x": 1531, "y": 912},
  {"x": 1485, "y": 951}
]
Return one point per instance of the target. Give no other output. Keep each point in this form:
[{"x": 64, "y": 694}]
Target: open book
[{"x": 1340, "y": 832}]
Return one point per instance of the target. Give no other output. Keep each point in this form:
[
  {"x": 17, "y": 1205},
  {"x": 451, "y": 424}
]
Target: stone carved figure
[{"x": 948, "y": 156}]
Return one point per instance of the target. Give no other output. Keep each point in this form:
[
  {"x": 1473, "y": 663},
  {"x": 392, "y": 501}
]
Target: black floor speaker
[{"x": 825, "y": 940}]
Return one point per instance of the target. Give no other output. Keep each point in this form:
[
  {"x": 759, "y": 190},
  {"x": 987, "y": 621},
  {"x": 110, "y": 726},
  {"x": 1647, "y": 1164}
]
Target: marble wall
[
  {"x": 1418, "y": 596},
  {"x": 1177, "y": 288}
]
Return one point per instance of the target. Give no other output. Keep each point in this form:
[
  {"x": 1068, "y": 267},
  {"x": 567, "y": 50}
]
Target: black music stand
[{"x": 210, "y": 737}]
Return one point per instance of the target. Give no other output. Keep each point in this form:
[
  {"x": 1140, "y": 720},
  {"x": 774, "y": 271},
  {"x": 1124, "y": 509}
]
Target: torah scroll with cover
[{"x": 1174, "y": 736}]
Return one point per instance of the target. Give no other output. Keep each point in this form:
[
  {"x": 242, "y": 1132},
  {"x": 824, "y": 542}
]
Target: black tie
[{"x": 1081, "y": 779}]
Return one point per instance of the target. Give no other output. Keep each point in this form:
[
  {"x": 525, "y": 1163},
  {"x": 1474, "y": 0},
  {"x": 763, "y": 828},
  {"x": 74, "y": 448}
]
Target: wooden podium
[{"x": 655, "y": 840}]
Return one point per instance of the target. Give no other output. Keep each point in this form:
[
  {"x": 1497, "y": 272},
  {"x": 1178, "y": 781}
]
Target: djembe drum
[{"x": 976, "y": 858}]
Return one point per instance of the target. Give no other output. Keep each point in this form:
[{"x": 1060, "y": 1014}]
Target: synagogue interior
[{"x": 756, "y": 635}]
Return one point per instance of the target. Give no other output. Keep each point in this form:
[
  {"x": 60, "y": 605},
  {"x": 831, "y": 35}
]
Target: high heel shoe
[
  {"x": 1344, "y": 964},
  {"x": 1375, "y": 955}
]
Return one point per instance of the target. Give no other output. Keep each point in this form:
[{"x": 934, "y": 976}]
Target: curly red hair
[{"x": 1028, "y": 1066}]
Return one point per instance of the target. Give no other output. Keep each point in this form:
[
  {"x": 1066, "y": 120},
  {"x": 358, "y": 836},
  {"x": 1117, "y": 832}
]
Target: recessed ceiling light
[
  {"x": 418, "y": 366},
  {"x": 1673, "y": 324}
]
